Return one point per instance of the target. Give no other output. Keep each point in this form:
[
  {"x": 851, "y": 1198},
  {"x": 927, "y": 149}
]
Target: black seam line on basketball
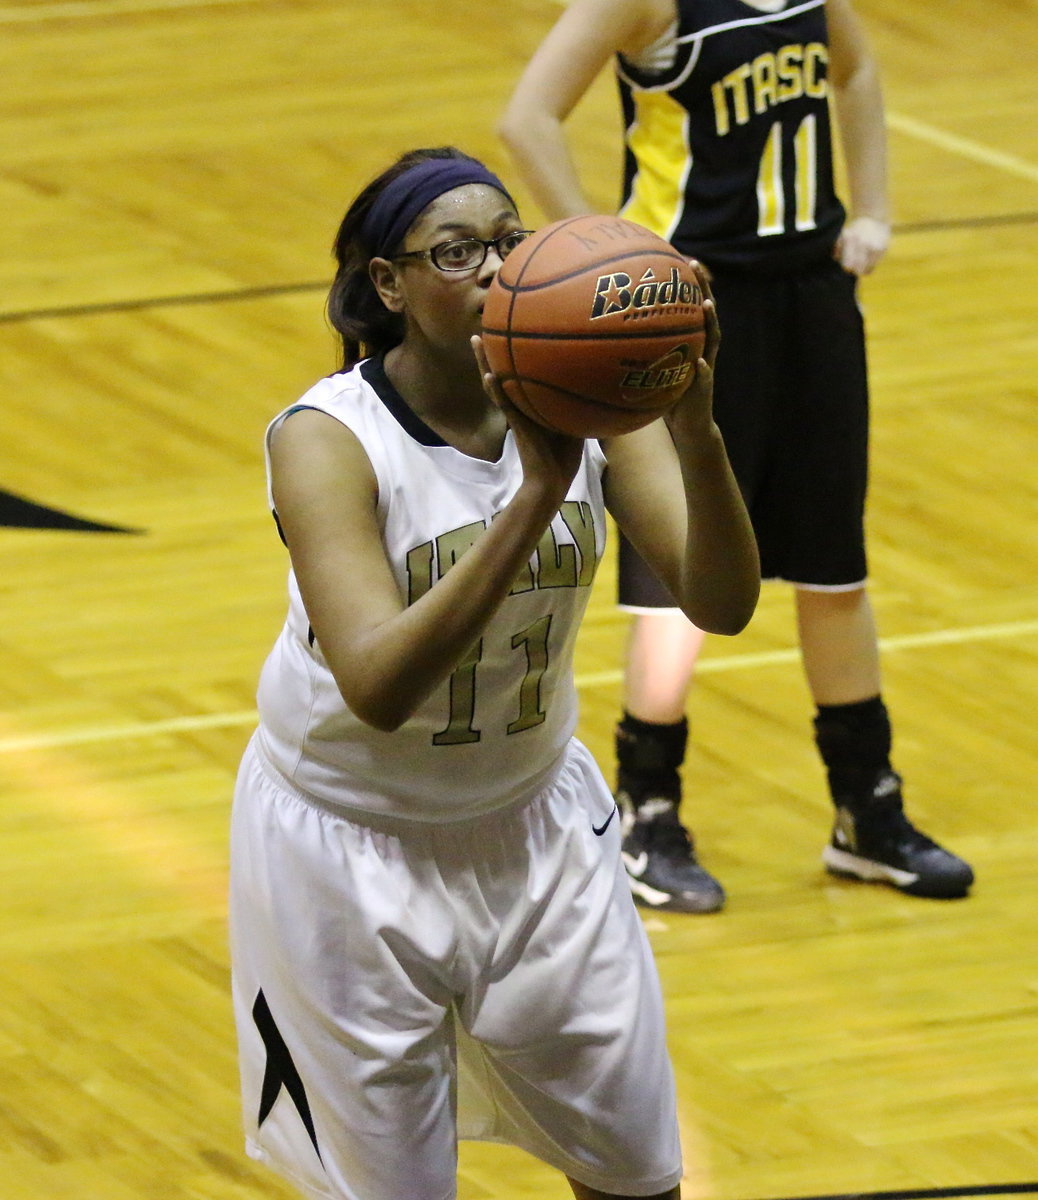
[
  {"x": 612, "y": 261},
  {"x": 508, "y": 335},
  {"x": 937, "y": 1193},
  {"x": 622, "y": 335},
  {"x": 588, "y": 401},
  {"x": 588, "y": 266}
]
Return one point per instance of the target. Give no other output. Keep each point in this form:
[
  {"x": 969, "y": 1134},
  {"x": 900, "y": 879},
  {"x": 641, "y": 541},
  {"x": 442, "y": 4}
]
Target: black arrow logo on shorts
[{"x": 281, "y": 1071}]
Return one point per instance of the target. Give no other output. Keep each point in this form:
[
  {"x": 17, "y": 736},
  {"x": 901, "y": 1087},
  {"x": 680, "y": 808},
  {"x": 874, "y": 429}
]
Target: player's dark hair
[{"x": 355, "y": 309}]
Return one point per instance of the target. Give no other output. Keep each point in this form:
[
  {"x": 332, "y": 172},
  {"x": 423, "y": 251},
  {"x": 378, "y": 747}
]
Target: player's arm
[
  {"x": 858, "y": 102},
  {"x": 579, "y": 45},
  {"x": 672, "y": 491},
  {"x": 386, "y": 656}
]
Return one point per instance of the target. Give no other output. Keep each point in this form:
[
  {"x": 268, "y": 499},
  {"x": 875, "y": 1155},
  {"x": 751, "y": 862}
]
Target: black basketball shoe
[
  {"x": 660, "y": 858},
  {"x": 873, "y": 840}
]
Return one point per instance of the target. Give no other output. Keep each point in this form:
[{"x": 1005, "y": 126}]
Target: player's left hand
[{"x": 862, "y": 243}]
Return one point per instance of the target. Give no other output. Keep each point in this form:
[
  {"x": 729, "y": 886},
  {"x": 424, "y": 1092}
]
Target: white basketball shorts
[{"x": 398, "y": 985}]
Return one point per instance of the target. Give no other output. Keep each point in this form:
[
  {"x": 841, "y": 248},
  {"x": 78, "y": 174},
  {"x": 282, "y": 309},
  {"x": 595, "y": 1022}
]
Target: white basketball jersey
[{"x": 492, "y": 733}]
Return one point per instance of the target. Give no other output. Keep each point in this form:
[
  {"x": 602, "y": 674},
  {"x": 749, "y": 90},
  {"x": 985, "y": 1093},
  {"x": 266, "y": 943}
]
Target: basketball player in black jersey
[{"x": 729, "y": 155}]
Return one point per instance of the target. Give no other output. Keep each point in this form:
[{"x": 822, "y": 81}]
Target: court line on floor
[
  {"x": 271, "y": 290},
  {"x": 921, "y": 131},
  {"x": 769, "y": 658},
  {"x": 936, "y": 1193},
  {"x": 585, "y": 680},
  {"x": 184, "y": 299}
]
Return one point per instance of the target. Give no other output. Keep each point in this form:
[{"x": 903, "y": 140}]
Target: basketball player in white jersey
[{"x": 432, "y": 934}]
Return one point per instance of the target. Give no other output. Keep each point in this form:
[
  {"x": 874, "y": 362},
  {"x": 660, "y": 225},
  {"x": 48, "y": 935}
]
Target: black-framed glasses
[{"x": 465, "y": 254}]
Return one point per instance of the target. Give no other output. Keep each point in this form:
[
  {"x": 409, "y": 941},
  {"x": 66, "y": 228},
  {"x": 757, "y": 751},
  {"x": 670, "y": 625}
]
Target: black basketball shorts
[{"x": 791, "y": 401}]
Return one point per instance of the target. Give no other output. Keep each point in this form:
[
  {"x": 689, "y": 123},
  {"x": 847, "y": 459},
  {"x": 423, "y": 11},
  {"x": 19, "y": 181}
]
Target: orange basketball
[{"x": 594, "y": 326}]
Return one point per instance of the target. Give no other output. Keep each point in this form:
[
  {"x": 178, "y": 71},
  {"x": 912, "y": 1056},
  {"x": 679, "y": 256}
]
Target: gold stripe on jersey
[
  {"x": 806, "y": 146},
  {"x": 658, "y": 138},
  {"x": 771, "y": 205}
]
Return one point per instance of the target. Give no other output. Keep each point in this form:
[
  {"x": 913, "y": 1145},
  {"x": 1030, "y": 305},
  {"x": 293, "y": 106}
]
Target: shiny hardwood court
[{"x": 172, "y": 174}]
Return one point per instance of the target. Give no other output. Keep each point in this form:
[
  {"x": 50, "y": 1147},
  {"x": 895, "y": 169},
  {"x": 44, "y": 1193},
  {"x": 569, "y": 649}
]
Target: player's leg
[
  {"x": 651, "y": 739},
  {"x": 818, "y": 508},
  {"x": 566, "y": 1053},
  {"x": 872, "y": 837},
  {"x": 342, "y": 1040},
  {"x": 662, "y": 649},
  {"x": 838, "y": 644}
]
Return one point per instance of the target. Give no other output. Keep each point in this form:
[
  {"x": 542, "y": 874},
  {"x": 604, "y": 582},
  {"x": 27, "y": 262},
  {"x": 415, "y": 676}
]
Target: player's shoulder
[
  {"x": 628, "y": 25},
  {"x": 336, "y": 389},
  {"x": 337, "y": 396}
]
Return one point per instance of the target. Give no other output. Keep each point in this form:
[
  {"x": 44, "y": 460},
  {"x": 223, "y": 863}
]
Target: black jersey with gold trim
[{"x": 728, "y": 140}]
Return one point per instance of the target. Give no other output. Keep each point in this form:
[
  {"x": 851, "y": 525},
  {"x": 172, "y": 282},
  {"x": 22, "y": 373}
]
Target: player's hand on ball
[
  {"x": 541, "y": 450},
  {"x": 695, "y": 408}
]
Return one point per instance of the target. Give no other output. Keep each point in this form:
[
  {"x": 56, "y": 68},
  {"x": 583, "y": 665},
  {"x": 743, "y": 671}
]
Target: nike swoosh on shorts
[{"x": 598, "y": 830}]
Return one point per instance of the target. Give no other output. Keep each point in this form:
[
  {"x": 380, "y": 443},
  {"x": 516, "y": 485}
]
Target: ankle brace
[
  {"x": 649, "y": 756},
  {"x": 854, "y": 741}
]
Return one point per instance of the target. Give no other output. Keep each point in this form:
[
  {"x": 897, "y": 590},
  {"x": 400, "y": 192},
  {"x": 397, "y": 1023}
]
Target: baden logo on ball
[{"x": 594, "y": 326}]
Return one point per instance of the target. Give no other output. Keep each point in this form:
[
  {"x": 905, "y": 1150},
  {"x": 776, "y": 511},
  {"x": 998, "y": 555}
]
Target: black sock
[
  {"x": 649, "y": 756},
  {"x": 854, "y": 741}
]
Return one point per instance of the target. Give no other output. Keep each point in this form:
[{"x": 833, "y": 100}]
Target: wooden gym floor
[{"x": 172, "y": 174}]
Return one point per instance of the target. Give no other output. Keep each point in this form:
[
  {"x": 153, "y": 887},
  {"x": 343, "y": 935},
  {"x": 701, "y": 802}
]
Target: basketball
[{"x": 593, "y": 326}]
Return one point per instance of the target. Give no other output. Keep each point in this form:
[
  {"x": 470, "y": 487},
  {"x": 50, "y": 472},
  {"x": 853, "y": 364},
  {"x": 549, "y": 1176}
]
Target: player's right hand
[{"x": 545, "y": 454}]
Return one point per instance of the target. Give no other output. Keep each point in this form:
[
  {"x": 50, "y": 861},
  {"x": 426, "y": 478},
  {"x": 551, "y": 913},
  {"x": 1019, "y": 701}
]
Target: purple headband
[{"x": 403, "y": 198}]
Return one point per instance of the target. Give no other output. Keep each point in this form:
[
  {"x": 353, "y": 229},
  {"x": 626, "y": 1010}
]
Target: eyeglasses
[{"x": 466, "y": 254}]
